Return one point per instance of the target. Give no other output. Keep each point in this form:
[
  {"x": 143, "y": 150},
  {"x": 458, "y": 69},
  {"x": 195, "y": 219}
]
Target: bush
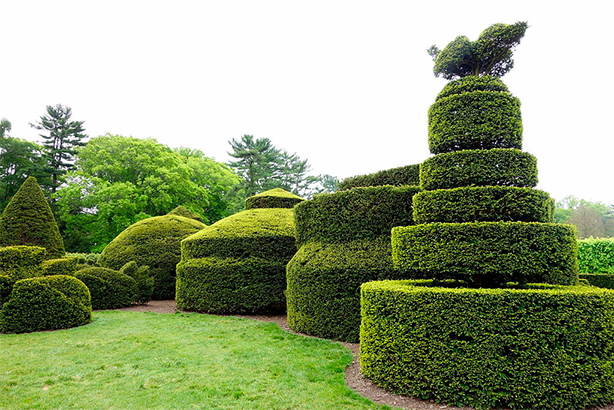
[
  {"x": 474, "y": 118},
  {"x": 601, "y": 280},
  {"x": 596, "y": 255},
  {"x": 109, "y": 289},
  {"x": 237, "y": 265},
  {"x": 6, "y": 286},
  {"x": 144, "y": 281},
  {"x": 153, "y": 242},
  {"x": 360, "y": 213},
  {"x": 21, "y": 262},
  {"x": 500, "y": 167},
  {"x": 28, "y": 220},
  {"x": 273, "y": 198},
  {"x": 472, "y": 83},
  {"x": 483, "y": 204},
  {"x": 186, "y": 213},
  {"x": 407, "y": 175},
  {"x": 46, "y": 303},
  {"x": 62, "y": 266},
  {"x": 543, "y": 347},
  {"x": 488, "y": 253},
  {"x": 90, "y": 259}
]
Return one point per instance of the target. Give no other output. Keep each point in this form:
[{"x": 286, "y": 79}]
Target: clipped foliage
[
  {"x": 21, "y": 262},
  {"x": 601, "y": 280},
  {"x": 6, "y": 286},
  {"x": 483, "y": 204},
  {"x": 144, "y": 281},
  {"x": 28, "y": 220},
  {"x": 109, "y": 288},
  {"x": 237, "y": 265},
  {"x": 407, "y": 175},
  {"x": 540, "y": 347},
  {"x": 501, "y": 167},
  {"x": 61, "y": 266},
  {"x": 185, "y": 212},
  {"x": 488, "y": 253},
  {"x": 46, "y": 303},
  {"x": 85, "y": 258},
  {"x": 596, "y": 255},
  {"x": 474, "y": 120},
  {"x": 153, "y": 242},
  {"x": 360, "y": 213},
  {"x": 273, "y": 198}
]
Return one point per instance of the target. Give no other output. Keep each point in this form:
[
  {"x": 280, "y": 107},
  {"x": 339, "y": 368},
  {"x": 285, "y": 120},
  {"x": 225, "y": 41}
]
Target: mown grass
[{"x": 133, "y": 360}]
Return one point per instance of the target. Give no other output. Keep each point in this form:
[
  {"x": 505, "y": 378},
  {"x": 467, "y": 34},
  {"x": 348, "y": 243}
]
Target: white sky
[{"x": 344, "y": 84}]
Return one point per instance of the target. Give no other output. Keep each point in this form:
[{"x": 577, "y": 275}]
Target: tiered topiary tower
[{"x": 481, "y": 332}]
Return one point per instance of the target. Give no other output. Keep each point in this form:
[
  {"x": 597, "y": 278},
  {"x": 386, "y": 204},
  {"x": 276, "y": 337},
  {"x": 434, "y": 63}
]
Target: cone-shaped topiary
[
  {"x": 28, "y": 220},
  {"x": 153, "y": 242}
]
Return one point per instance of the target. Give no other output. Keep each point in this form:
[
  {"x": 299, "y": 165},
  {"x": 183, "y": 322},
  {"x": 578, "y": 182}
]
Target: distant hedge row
[
  {"x": 483, "y": 204},
  {"x": 494, "y": 167},
  {"x": 407, "y": 175},
  {"x": 544, "y": 347}
]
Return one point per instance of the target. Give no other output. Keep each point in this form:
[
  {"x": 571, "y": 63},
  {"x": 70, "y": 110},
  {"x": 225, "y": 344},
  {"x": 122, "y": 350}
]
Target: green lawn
[{"x": 133, "y": 360}]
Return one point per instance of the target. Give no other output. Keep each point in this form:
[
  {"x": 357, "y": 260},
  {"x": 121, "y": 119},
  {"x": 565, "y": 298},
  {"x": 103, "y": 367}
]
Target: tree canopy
[
  {"x": 593, "y": 219},
  {"x": 490, "y": 54}
]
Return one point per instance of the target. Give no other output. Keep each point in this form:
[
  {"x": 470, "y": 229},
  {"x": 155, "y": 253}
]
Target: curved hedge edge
[
  {"x": 61, "y": 266},
  {"x": 545, "y": 347},
  {"x": 472, "y": 83},
  {"x": 488, "y": 253},
  {"x": 400, "y": 176},
  {"x": 483, "y": 204},
  {"x": 494, "y": 167},
  {"x": 111, "y": 289},
  {"x": 273, "y": 198}
]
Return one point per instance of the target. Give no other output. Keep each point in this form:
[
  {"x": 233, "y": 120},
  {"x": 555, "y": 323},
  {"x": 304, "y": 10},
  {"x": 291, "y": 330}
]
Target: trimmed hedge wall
[
  {"x": 46, "y": 303},
  {"x": 153, "y": 242},
  {"x": 28, "y": 220},
  {"x": 488, "y": 253},
  {"x": 596, "y": 255},
  {"x": 407, "y": 175},
  {"x": 474, "y": 119},
  {"x": 500, "y": 167},
  {"x": 109, "y": 289},
  {"x": 483, "y": 204},
  {"x": 601, "y": 280},
  {"x": 544, "y": 347},
  {"x": 237, "y": 265},
  {"x": 360, "y": 213},
  {"x": 273, "y": 198}
]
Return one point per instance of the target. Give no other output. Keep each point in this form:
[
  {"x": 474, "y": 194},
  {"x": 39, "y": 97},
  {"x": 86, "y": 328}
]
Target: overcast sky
[{"x": 344, "y": 84}]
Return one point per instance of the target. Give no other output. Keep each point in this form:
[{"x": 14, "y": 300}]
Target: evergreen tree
[{"x": 61, "y": 138}]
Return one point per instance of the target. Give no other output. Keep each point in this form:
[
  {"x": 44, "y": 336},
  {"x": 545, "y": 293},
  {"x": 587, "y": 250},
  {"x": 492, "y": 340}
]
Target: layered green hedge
[
  {"x": 488, "y": 253},
  {"x": 153, "y": 242},
  {"x": 21, "y": 262},
  {"x": 46, "y": 303},
  {"x": 472, "y": 83},
  {"x": 109, "y": 289},
  {"x": 543, "y": 347},
  {"x": 60, "y": 266},
  {"x": 237, "y": 265},
  {"x": 483, "y": 204},
  {"x": 273, "y": 198},
  {"x": 360, "y": 213},
  {"x": 602, "y": 280},
  {"x": 494, "y": 167},
  {"x": 472, "y": 118},
  {"x": 407, "y": 175},
  {"x": 596, "y": 255}
]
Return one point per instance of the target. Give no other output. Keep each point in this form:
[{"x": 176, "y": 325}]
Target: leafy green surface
[{"x": 131, "y": 360}]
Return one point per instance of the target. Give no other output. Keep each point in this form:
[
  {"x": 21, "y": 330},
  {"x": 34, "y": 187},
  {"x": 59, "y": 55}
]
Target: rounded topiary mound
[
  {"x": 407, "y": 175},
  {"x": 109, "y": 288},
  {"x": 238, "y": 264},
  {"x": 466, "y": 117},
  {"x": 344, "y": 241},
  {"x": 538, "y": 347},
  {"x": 500, "y": 167},
  {"x": 185, "y": 212},
  {"x": 16, "y": 263},
  {"x": 273, "y": 198},
  {"x": 28, "y": 220},
  {"x": 153, "y": 242},
  {"x": 46, "y": 303}
]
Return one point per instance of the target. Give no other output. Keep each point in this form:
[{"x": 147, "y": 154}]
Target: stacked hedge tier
[
  {"x": 238, "y": 264},
  {"x": 344, "y": 241}
]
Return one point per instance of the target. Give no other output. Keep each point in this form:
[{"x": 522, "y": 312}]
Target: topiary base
[{"x": 539, "y": 347}]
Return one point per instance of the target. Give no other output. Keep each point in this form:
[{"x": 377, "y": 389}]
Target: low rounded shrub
[
  {"x": 483, "y": 204},
  {"x": 185, "y": 212},
  {"x": 407, "y": 175},
  {"x": 237, "y": 265},
  {"x": 109, "y": 288},
  {"x": 494, "y": 167},
  {"x": 144, "y": 281},
  {"x": 474, "y": 118},
  {"x": 61, "y": 266},
  {"x": 273, "y": 198},
  {"x": 90, "y": 259},
  {"x": 46, "y": 303},
  {"x": 538, "y": 347},
  {"x": 153, "y": 242},
  {"x": 488, "y": 253},
  {"x": 596, "y": 255}
]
